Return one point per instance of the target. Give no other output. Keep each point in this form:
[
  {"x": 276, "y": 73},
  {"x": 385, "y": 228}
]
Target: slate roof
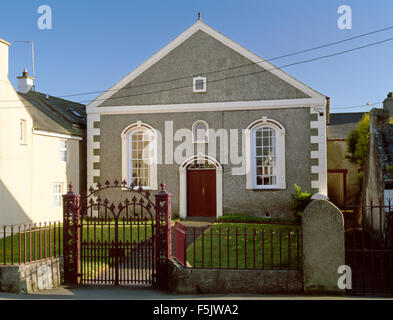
[
  {"x": 344, "y": 118},
  {"x": 340, "y": 124},
  {"x": 55, "y": 115}
]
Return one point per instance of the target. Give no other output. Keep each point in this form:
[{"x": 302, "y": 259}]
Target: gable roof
[
  {"x": 200, "y": 26},
  {"x": 55, "y": 115}
]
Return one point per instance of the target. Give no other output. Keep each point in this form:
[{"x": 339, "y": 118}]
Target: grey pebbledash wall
[
  {"x": 236, "y": 199},
  {"x": 202, "y": 55}
]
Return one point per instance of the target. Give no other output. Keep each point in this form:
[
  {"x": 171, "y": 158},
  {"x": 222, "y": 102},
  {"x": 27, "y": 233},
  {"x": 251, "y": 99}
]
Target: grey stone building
[{"x": 227, "y": 131}]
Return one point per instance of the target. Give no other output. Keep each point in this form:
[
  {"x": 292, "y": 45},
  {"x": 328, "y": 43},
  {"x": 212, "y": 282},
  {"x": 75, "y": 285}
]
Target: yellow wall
[
  {"x": 28, "y": 171},
  {"x": 15, "y": 158},
  {"x": 49, "y": 169}
]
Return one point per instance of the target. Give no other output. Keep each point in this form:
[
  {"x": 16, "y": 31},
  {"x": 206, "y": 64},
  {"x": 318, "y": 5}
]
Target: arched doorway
[{"x": 200, "y": 187}]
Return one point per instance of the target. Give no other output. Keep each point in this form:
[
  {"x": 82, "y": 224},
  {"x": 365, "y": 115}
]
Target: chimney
[
  {"x": 388, "y": 103},
  {"x": 25, "y": 83},
  {"x": 4, "y": 60}
]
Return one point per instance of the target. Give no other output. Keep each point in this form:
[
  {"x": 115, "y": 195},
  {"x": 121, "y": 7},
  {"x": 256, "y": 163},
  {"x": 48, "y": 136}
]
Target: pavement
[{"x": 105, "y": 292}]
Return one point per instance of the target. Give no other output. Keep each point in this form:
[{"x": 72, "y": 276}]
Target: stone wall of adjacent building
[{"x": 377, "y": 159}]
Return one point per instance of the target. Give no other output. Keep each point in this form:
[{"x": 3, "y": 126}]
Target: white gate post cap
[{"x": 319, "y": 196}]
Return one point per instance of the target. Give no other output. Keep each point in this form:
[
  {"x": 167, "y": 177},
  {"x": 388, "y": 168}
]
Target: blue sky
[{"x": 93, "y": 44}]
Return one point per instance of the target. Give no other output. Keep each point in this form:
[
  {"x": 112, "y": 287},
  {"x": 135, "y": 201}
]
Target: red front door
[{"x": 201, "y": 193}]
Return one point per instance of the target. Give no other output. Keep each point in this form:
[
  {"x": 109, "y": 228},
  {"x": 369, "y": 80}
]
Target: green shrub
[
  {"x": 300, "y": 200},
  {"x": 389, "y": 170},
  {"x": 175, "y": 216},
  {"x": 357, "y": 143}
]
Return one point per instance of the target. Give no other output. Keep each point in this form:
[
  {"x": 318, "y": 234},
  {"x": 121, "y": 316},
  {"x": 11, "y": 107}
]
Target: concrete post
[{"x": 323, "y": 247}]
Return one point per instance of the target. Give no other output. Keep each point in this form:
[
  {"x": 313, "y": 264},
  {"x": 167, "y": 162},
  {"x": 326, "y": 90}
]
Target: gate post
[
  {"x": 163, "y": 236},
  {"x": 71, "y": 250}
]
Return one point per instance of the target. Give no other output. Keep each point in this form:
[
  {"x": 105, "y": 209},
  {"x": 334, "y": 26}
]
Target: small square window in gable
[{"x": 199, "y": 84}]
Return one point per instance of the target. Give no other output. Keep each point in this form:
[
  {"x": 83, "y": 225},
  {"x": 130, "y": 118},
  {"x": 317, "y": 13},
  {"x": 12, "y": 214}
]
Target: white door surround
[{"x": 183, "y": 183}]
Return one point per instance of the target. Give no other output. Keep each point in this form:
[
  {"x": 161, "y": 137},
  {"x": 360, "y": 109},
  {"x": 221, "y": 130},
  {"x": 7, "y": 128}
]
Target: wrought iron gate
[
  {"x": 126, "y": 243},
  {"x": 369, "y": 249}
]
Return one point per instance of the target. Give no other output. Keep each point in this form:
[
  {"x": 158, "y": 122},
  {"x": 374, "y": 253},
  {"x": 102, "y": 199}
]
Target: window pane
[
  {"x": 141, "y": 157},
  {"x": 199, "y": 84},
  {"x": 200, "y": 132},
  {"x": 57, "y": 195},
  {"x": 265, "y": 156},
  {"x": 22, "y": 132},
  {"x": 63, "y": 150}
]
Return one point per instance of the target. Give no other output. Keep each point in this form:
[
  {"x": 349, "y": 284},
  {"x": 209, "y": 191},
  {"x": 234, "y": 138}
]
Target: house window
[
  {"x": 22, "y": 132},
  {"x": 200, "y": 132},
  {"x": 199, "y": 84},
  {"x": 63, "y": 149},
  {"x": 139, "y": 152},
  {"x": 140, "y": 158},
  {"x": 57, "y": 195},
  {"x": 266, "y": 156}
]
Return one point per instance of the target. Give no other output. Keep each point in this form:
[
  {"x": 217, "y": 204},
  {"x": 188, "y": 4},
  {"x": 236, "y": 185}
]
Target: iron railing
[
  {"x": 238, "y": 246},
  {"x": 26, "y": 243},
  {"x": 369, "y": 247}
]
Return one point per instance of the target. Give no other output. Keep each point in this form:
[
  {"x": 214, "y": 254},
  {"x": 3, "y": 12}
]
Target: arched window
[
  {"x": 200, "y": 132},
  {"x": 139, "y": 152},
  {"x": 266, "y": 155}
]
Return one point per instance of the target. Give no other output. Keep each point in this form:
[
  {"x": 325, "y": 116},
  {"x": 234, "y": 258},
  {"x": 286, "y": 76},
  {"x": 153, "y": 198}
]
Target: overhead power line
[
  {"x": 248, "y": 74},
  {"x": 236, "y": 67},
  {"x": 358, "y": 106},
  {"x": 237, "y": 76}
]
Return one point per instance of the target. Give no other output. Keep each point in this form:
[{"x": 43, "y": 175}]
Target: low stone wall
[
  {"x": 31, "y": 277},
  {"x": 185, "y": 280}
]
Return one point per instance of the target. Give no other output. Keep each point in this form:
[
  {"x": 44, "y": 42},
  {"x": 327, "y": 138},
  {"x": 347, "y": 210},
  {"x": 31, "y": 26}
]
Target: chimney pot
[{"x": 25, "y": 82}]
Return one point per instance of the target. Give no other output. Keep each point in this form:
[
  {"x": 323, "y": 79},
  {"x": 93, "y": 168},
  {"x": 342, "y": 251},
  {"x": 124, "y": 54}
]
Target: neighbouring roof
[
  {"x": 340, "y": 124},
  {"x": 55, "y": 115}
]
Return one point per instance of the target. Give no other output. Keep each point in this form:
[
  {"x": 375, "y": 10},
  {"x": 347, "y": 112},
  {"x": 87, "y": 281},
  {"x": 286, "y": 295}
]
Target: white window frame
[
  {"x": 251, "y": 153},
  {"x": 126, "y": 154},
  {"x": 57, "y": 196},
  {"x": 23, "y": 132},
  {"x": 194, "y": 88},
  {"x": 194, "y": 135},
  {"x": 62, "y": 149}
]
